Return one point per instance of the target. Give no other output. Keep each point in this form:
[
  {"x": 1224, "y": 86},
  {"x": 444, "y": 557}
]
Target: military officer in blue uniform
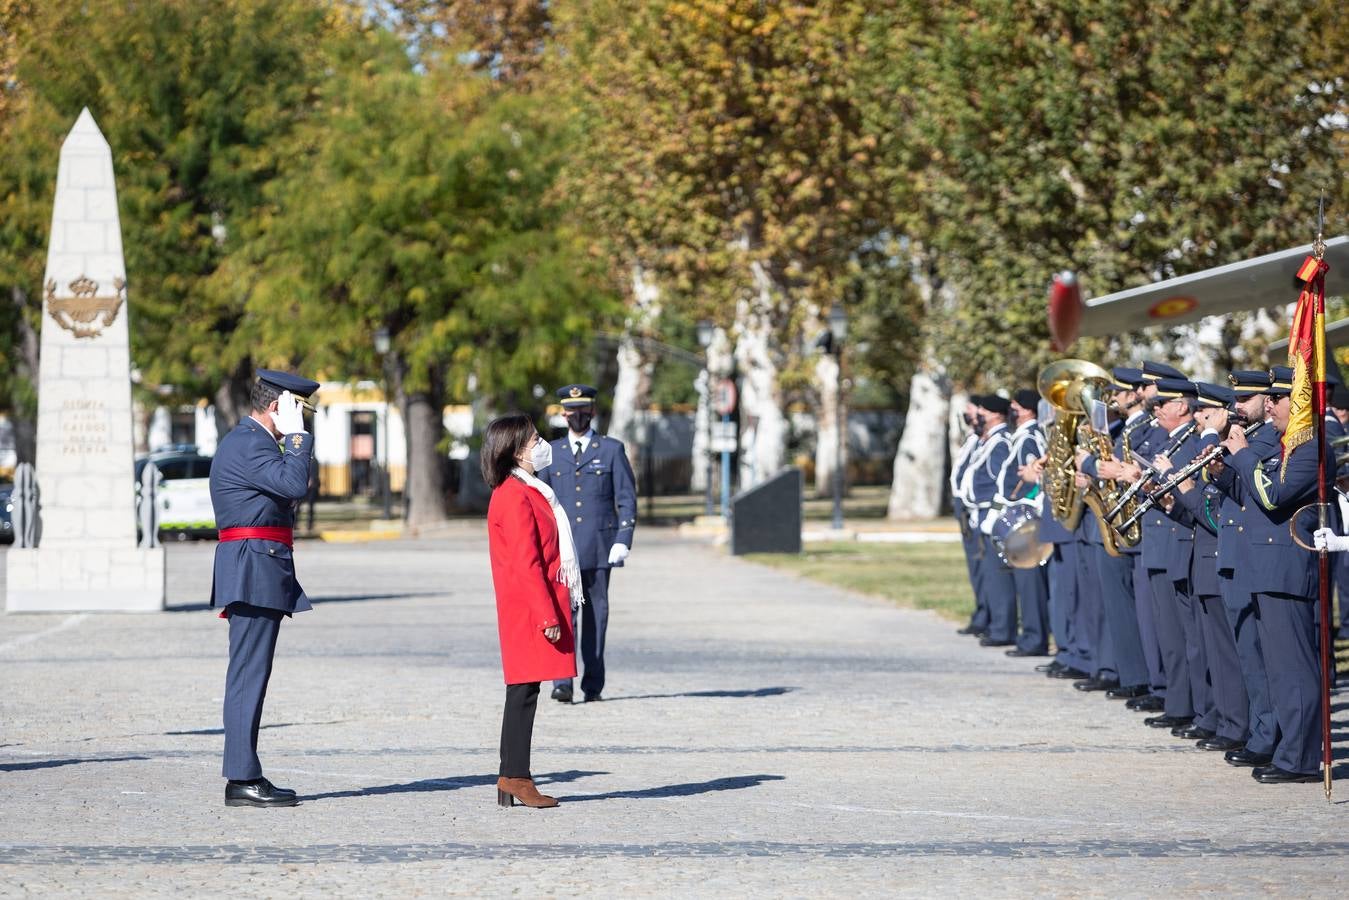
[
  {"x": 260, "y": 472},
  {"x": 995, "y": 588},
  {"x": 1032, "y": 585},
  {"x": 969, "y": 536},
  {"x": 594, "y": 482}
]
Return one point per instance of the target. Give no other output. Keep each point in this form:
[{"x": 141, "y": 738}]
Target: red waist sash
[{"x": 263, "y": 533}]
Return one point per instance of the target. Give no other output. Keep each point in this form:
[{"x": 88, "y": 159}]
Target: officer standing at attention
[
  {"x": 260, "y": 472},
  {"x": 1032, "y": 585},
  {"x": 594, "y": 482},
  {"x": 996, "y": 586}
]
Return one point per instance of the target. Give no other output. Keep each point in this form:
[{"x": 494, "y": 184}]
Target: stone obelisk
[{"x": 86, "y": 556}]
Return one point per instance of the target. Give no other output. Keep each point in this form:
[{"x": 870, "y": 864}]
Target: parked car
[
  {"x": 185, "y": 495},
  {"x": 6, "y": 514}
]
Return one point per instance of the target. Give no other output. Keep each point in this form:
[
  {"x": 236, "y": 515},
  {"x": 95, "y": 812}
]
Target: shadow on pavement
[
  {"x": 446, "y": 784},
  {"x": 209, "y": 731},
  {"x": 733, "y": 783},
  {"x": 53, "y": 763},
  {"x": 756, "y": 692},
  {"x": 335, "y": 598}
]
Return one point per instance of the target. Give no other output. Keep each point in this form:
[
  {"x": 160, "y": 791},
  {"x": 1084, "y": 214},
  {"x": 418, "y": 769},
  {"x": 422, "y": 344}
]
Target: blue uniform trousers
[
  {"x": 1093, "y": 641},
  {"x": 1032, "y": 597},
  {"x": 1241, "y": 616},
  {"x": 253, "y": 632},
  {"x": 969, "y": 539},
  {"x": 999, "y": 590},
  {"x": 1196, "y": 659},
  {"x": 1117, "y": 598},
  {"x": 1063, "y": 602},
  {"x": 1230, "y": 704},
  {"x": 1288, "y": 640},
  {"x": 1167, "y": 613},
  {"x": 590, "y": 623},
  {"x": 1147, "y": 628}
]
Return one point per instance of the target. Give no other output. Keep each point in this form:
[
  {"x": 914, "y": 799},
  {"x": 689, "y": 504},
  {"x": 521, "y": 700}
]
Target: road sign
[
  {"x": 723, "y": 397},
  {"x": 723, "y": 437}
]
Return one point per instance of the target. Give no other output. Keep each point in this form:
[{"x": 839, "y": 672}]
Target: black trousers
[
  {"x": 253, "y": 633},
  {"x": 517, "y": 729}
]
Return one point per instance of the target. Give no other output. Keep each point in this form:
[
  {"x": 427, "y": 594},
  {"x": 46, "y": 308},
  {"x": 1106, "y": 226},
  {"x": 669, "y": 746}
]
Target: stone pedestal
[{"x": 86, "y": 556}]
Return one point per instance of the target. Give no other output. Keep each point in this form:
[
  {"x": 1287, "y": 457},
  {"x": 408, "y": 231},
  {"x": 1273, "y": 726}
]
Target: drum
[{"x": 1016, "y": 537}]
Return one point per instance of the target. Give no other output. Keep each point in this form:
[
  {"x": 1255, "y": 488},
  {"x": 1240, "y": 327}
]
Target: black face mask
[
  {"x": 579, "y": 422},
  {"x": 980, "y": 423}
]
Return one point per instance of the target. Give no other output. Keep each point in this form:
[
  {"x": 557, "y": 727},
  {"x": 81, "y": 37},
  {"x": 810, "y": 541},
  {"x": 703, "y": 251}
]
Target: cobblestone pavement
[{"x": 761, "y": 735}]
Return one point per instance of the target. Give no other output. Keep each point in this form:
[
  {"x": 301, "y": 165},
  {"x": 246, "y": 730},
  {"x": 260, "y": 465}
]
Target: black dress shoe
[
  {"x": 1095, "y": 684},
  {"x": 970, "y": 629},
  {"x": 562, "y": 694},
  {"x": 593, "y": 698},
  {"x": 1147, "y": 703},
  {"x": 1068, "y": 673},
  {"x": 1219, "y": 743},
  {"x": 1127, "y": 693},
  {"x": 1019, "y": 652},
  {"x": 258, "y": 793},
  {"x": 1193, "y": 732},
  {"x": 1244, "y": 757},
  {"x": 1168, "y": 721},
  {"x": 1275, "y": 775},
  {"x": 989, "y": 642},
  {"x": 1049, "y": 667}
]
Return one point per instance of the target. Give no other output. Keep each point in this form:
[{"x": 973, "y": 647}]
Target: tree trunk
[
  {"x": 920, "y": 461},
  {"x": 827, "y": 375},
  {"x": 423, "y": 411},
  {"x": 233, "y": 397},
  {"x": 763, "y": 426},
  {"x": 701, "y": 446},
  {"x": 636, "y": 366}
]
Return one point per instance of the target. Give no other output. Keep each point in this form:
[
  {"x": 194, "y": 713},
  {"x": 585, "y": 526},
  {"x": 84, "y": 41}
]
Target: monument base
[{"x": 84, "y": 579}]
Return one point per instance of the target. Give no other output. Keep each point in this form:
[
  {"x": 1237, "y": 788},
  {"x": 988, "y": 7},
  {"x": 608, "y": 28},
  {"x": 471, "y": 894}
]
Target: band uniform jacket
[
  {"x": 1202, "y": 504},
  {"x": 1274, "y": 493},
  {"x": 522, "y": 544},
  {"x": 256, "y": 483},
  {"x": 599, "y": 494},
  {"x": 1234, "y": 511},
  {"x": 1167, "y": 544}
]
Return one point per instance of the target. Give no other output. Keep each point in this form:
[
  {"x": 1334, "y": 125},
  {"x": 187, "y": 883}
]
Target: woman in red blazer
[{"x": 537, "y": 580}]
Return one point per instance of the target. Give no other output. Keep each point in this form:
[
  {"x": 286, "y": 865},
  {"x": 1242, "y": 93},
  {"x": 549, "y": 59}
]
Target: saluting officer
[
  {"x": 260, "y": 471},
  {"x": 1283, "y": 582},
  {"x": 594, "y": 482}
]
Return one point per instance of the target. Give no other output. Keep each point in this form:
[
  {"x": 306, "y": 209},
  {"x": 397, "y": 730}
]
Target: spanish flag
[{"x": 1307, "y": 357}]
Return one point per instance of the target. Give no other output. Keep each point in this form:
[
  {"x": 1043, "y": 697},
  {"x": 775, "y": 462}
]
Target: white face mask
[{"x": 541, "y": 457}]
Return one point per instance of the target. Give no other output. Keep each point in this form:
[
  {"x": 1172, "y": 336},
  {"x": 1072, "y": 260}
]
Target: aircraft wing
[
  {"x": 1337, "y": 335},
  {"x": 1250, "y": 284}
]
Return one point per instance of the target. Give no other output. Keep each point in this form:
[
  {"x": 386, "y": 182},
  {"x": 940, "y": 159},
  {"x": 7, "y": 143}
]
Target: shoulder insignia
[{"x": 296, "y": 441}]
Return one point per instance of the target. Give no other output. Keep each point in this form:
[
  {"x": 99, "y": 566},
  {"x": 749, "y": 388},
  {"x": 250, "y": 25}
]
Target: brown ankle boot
[{"x": 511, "y": 789}]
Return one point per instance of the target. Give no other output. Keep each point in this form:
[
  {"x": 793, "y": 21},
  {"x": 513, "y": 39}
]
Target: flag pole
[{"x": 1323, "y": 558}]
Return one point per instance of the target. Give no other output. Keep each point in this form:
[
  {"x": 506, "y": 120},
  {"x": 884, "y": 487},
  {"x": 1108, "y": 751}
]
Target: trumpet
[{"x": 1180, "y": 475}]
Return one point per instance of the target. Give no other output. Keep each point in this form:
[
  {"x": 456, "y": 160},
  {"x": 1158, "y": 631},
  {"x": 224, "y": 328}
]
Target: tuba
[{"x": 1070, "y": 386}]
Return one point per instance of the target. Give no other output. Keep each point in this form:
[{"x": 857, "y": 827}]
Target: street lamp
[
  {"x": 838, "y": 333},
  {"x": 706, "y": 331},
  {"x": 382, "y": 347}
]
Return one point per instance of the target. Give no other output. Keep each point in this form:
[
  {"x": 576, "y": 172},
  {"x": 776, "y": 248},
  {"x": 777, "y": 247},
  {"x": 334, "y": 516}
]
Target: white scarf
[{"x": 569, "y": 571}]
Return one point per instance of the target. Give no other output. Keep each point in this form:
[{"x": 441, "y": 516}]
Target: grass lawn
[{"x": 922, "y": 576}]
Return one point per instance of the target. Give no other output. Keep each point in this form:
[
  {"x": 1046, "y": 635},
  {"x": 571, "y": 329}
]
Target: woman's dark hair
[{"x": 504, "y": 438}]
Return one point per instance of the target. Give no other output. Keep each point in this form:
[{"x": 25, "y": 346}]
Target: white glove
[
  {"x": 617, "y": 553},
  {"x": 1327, "y": 539},
  {"x": 288, "y": 419},
  {"x": 986, "y": 526},
  {"x": 973, "y": 518}
]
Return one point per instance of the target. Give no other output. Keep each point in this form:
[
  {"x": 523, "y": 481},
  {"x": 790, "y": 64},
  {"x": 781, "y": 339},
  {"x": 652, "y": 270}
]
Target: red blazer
[{"x": 522, "y": 541}]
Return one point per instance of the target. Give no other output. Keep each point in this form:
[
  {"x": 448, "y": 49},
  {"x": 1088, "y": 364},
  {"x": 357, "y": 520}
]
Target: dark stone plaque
[{"x": 767, "y": 517}]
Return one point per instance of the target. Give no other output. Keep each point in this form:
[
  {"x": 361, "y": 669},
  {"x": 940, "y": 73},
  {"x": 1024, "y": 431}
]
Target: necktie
[{"x": 578, "y": 448}]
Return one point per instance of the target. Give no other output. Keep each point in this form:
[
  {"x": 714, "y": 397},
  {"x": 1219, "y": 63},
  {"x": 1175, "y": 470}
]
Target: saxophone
[{"x": 1104, "y": 494}]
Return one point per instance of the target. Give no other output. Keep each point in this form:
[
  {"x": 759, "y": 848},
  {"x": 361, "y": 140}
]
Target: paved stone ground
[{"x": 762, "y": 736}]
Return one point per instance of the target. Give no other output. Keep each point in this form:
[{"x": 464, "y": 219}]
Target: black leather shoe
[
  {"x": 593, "y": 698},
  {"x": 1193, "y": 732},
  {"x": 1019, "y": 652},
  {"x": 970, "y": 629},
  {"x": 1244, "y": 757},
  {"x": 1219, "y": 743},
  {"x": 989, "y": 642},
  {"x": 1147, "y": 703},
  {"x": 1168, "y": 721},
  {"x": 1068, "y": 673},
  {"x": 1127, "y": 693},
  {"x": 562, "y": 694},
  {"x": 1095, "y": 684},
  {"x": 1049, "y": 667},
  {"x": 1275, "y": 775},
  {"x": 258, "y": 793}
]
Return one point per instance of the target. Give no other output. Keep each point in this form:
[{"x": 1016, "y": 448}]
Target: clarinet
[
  {"x": 1180, "y": 475},
  {"x": 1149, "y": 472}
]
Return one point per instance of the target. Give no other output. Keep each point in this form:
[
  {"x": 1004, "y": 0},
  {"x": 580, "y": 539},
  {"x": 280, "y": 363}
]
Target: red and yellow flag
[{"x": 1307, "y": 356}]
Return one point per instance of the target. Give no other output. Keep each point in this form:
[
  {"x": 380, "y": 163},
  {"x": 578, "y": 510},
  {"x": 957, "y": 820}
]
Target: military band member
[
  {"x": 961, "y": 507},
  {"x": 1032, "y": 586},
  {"x": 593, "y": 480},
  {"x": 1284, "y": 585},
  {"x": 260, "y": 472},
  {"x": 996, "y": 587}
]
